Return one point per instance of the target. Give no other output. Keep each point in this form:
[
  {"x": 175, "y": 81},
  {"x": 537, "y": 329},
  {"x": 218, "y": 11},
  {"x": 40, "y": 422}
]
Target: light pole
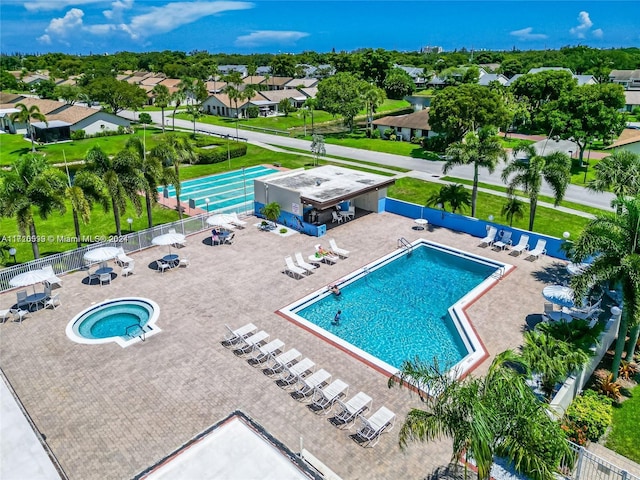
[
  {"x": 130, "y": 221},
  {"x": 244, "y": 187},
  {"x": 441, "y": 207},
  {"x": 586, "y": 165},
  {"x": 228, "y": 153},
  {"x": 12, "y": 252},
  {"x": 206, "y": 201}
]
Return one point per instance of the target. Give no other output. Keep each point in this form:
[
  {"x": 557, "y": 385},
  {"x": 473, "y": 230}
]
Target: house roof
[
  {"x": 632, "y": 97},
  {"x": 310, "y": 92},
  {"x": 170, "y": 82},
  {"x": 253, "y": 80},
  {"x": 51, "y": 124},
  {"x": 151, "y": 81},
  {"x": 277, "y": 95},
  {"x": 492, "y": 77},
  {"x": 10, "y": 97},
  {"x": 622, "y": 75},
  {"x": 417, "y": 120},
  {"x": 543, "y": 69},
  {"x": 278, "y": 81},
  {"x": 45, "y": 106},
  {"x": 215, "y": 87},
  {"x": 224, "y": 99},
  {"x": 301, "y": 82},
  {"x": 628, "y": 135},
  {"x": 585, "y": 79}
]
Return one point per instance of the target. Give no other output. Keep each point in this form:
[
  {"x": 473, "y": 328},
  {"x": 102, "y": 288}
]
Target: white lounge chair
[
  {"x": 293, "y": 373},
  {"x": 336, "y": 218},
  {"x": 293, "y": 270},
  {"x": 105, "y": 278},
  {"x": 281, "y": 361},
  {"x": 4, "y": 314},
  {"x": 19, "y": 314},
  {"x": 522, "y": 245},
  {"x": 236, "y": 221},
  {"x": 229, "y": 238},
  {"x": 381, "y": 421},
  {"x": 53, "y": 302},
  {"x": 341, "y": 252},
  {"x": 584, "y": 313},
  {"x": 265, "y": 352},
  {"x": 490, "y": 238},
  {"x": 307, "y": 385},
  {"x": 252, "y": 342},
  {"x": 326, "y": 257},
  {"x": 127, "y": 269},
  {"x": 234, "y": 336},
  {"x": 539, "y": 249},
  {"x": 162, "y": 266},
  {"x": 122, "y": 259},
  {"x": 304, "y": 265},
  {"x": 52, "y": 280},
  {"x": 504, "y": 242},
  {"x": 353, "y": 407},
  {"x": 184, "y": 261},
  {"x": 324, "y": 398}
]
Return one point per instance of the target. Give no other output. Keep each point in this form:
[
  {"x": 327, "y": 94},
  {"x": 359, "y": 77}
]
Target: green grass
[
  {"x": 548, "y": 221},
  {"x": 542, "y": 198},
  {"x": 623, "y": 438},
  {"x": 360, "y": 140}
]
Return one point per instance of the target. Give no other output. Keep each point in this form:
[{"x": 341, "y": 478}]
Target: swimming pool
[
  {"x": 121, "y": 320},
  {"x": 407, "y": 304},
  {"x": 227, "y": 192}
]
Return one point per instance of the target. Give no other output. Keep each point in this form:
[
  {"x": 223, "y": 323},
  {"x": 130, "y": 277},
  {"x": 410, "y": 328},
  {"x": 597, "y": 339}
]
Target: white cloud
[
  {"x": 39, "y": 5},
  {"x": 46, "y": 39},
  {"x": 263, "y": 37},
  {"x": 173, "y": 15},
  {"x": 584, "y": 27},
  {"x": 598, "y": 33},
  {"x": 61, "y": 27},
  {"x": 526, "y": 34},
  {"x": 117, "y": 8}
]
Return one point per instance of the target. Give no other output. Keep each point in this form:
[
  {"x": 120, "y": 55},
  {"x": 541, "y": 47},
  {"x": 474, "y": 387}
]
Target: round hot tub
[{"x": 121, "y": 320}]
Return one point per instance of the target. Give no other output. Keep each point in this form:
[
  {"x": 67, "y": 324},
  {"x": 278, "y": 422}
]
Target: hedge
[
  {"x": 591, "y": 413},
  {"x": 220, "y": 154}
]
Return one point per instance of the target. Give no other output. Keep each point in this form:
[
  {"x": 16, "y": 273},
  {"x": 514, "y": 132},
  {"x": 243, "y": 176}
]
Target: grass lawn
[
  {"x": 360, "y": 140},
  {"x": 623, "y": 437},
  {"x": 548, "y": 221}
]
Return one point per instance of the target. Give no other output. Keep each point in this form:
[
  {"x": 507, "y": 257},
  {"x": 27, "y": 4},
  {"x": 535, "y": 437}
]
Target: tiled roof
[
  {"x": 170, "y": 82},
  {"x": 302, "y": 82},
  {"x": 279, "y": 81},
  {"x": 215, "y": 87},
  {"x": 10, "y": 98},
  {"x": 277, "y": 95},
  {"x": 628, "y": 135},
  {"x": 310, "y": 92},
  {"x": 73, "y": 114},
  {"x": 632, "y": 97},
  {"x": 253, "y": 80},
  {"x": 418, "y": 120},
  {"x": 45, "y": 106}
]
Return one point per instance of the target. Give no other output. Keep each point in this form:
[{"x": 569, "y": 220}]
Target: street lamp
[
  {"x": 206, "y": 200},
  {"x": 441, "y": 207},
  {"x": 130, "y": 221},
  {"x": 12, "y": 252},
  {"x": 566, "y": 235}
]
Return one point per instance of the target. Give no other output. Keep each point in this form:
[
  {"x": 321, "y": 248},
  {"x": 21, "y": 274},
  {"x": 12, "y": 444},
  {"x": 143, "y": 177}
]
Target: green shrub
[
  {"x": 219, "y": 154},
  {"x": 252, "y": 111},
  {"x": 388, "y": 132},
  {"x": 78, "y": 135},
  {"x": 591, "y": 414},
  {"x": 435, "y": 144},
  {"x": 375, "y": 133}
]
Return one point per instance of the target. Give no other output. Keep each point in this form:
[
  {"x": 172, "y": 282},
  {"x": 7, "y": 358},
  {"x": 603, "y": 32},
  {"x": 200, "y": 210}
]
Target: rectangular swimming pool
[{"x": 408, "y": 304}]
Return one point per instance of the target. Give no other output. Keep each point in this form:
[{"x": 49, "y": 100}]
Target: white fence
[
  {"x": 585, "y": 465},
  {"x": 73, "y": 259}
]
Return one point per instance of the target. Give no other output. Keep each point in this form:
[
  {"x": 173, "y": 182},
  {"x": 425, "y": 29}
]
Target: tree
[
  {"x": 456, "y": 195},
  {"x": 122, "y": 178},
  {"x": 340, "y": 95},
  {"x": 317, "y": 147},
  {"x": 497, "y": 415},
  {"x": 25, "y": 115},
  {"x": 455, "y": 111},
  {"x": 271, "y": 211},
  {"x": 83, "y": 191},
  {"x": 194, "y": 112},
  {"x": 612, "y": 240},
  {"x": 555, "y": 169},
  {"x": 283, "y": 65},
  {"x": 542, "y": 87},
  {"x": 118, "y": 95},
  {"x": 145, "y": 118},
  {"x": 32, "y": 183},
  {"x": 285, "y": 106},
  {"x": 149, "y": 168},
  {"x": 619, "y": 173},
  {"x": 585, "y": 113},
  {"x": 311, "y": 104},
  {"x": 513, "y": 208},
  {"x": 483, "y": 150},
  {"x": 374, "y": 65},
  {"x": 234, "y": 80},
  {"x": 45, "y": 89},
  {"x": 162, "y": 98},
  {"x": 69, "y": 93},
  {"x": 177, "y": 98},
  {"x": 398, "y": 84}
]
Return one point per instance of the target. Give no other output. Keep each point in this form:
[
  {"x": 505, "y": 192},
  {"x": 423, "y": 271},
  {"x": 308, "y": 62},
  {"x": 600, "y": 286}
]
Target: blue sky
[{"x": 270, "y": 26}]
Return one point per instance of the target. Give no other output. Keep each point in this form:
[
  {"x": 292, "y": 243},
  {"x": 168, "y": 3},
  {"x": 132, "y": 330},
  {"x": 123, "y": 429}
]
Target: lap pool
[{"x": 407, "y": 304}]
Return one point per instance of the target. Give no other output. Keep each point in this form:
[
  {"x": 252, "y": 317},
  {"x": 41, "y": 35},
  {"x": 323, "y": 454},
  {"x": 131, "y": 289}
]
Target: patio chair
[
  {"x": 264, "y": 352},
  {"x": 381, "y": 421},
  {"x": 504, "y": 242},
  {"x": 293, "y": 270},
  {"x": 353, "y": 407},
  {"x": 341, "y": 252},
  {"x": 52, "y": 280},
  {"x": 327, "y": 257},
  {"x": 215, "y": 239},
  {"x": 522, "y": 246},
  {"x": 53, "y": 302},
  {"x": 230, "y": 238},
  {"x": 4, "y": 314},
  {"x": 21, "y": 297},
  {"x": 490, "y": 238},
  {"x": 336, "y": 218},
  {"x": 105, "y": 278},
  {"x": 19, "y": 314},
  {"x": 127, "y": 269},
  {"x": 251, "y": 342},
  {"x": 324, "y": 398},
  {"x": 292, "y": 374},
  {"x": 304, "y": 265},
  {"x": 586, "y": 313},
  {"x": 234, "y": 336},
  {"x": 307, "y": 385},
  {"x": 539, "y": 249},
  {"x": 122, "y": 259},
  {"x": 281, "y": 361},
  {"x": 162, "y": 266},
  {"x": 91, "y": 276},
  {"x": 236, "y": 221}
]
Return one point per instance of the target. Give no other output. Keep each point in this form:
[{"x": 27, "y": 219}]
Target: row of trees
[{"x": 34, "y": 187}]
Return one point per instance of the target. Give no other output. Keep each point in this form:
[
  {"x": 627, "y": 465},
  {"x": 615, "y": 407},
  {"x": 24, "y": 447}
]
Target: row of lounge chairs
[
  {"x": 317, "y": 388},
  {"x": 590, "y": 313},
  {"x": 301, "y": 268},
  {"x": 504, "y": 242}
]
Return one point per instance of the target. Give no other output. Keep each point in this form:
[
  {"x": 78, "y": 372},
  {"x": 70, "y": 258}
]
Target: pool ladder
[
  {"x": 404, "y": 243},
  {"x": 136, "y": 327}
]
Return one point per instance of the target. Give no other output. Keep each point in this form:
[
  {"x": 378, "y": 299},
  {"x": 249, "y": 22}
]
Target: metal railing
[
  {"x": 585, "y": 465},
  {"x": 73, "y": 260}
]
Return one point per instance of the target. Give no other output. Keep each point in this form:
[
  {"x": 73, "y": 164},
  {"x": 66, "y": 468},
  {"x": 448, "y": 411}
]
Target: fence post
[
  {"x": 576, "y": 475},
  {"x": 624, "y": 474}
]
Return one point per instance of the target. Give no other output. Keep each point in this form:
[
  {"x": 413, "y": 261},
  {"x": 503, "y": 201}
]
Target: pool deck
[{"x": 109, "y": 412}]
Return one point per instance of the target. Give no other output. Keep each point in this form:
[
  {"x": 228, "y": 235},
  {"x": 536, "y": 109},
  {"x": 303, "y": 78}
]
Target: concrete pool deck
[{"x": 110, "y": 412}]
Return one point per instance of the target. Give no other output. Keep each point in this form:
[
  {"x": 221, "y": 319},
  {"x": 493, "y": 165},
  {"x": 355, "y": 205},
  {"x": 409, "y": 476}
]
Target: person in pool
[
  {"x": 336, "y": 319},
  {"x": 335, "y": 290}
]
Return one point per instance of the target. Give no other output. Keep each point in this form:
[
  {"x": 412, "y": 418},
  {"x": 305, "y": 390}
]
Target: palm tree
[
  {"x": 122, "y": 178},
  {"x": 514, "y": 208},
  {"x": 25, "y": 115},
  {"x": 483, "y": 150},
  {"x": 32, "y": 183},
  {"x": 613, "y": 241},
  {"x": 311, "y": 104},
  {"x": 234, "y": 80},
  {"x": 85, "y": 189},
  {"x": 494, "y": 415},
  {"x": 271, "y": 211},
  {"x": 178, "y": 98},
  {"x": 555, "y": 169},
  {"x": 317, "y": 147},
  {"x": 373, "y": 97},
  {"x": 456, "y": 195},
  {"x": 619, "y": 173},
  {"x": 162, "y": 99},
  {"x": 150, "y": 168}
]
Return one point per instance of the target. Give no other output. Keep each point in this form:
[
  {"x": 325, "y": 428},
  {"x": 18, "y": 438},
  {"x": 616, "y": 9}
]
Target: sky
[{"x": 271, "y": 26}]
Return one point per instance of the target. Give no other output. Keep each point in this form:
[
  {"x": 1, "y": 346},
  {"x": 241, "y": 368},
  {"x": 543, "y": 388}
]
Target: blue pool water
[
  {"x": 227, "y": 192},
  {"x": 399, "y": 311},
  {"x": 114, "y": 320}
]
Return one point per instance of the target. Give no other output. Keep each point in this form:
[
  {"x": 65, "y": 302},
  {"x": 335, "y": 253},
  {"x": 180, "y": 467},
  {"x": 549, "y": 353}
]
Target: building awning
[{"x": 51, "y": 124}]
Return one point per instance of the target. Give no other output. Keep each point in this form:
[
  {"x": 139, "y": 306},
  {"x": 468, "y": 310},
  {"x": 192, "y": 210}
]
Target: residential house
[
  {"x": 628, "y": 140},
  {"x": 295, "y": 97},
  {"x": 406, "y": 126},
  {"x": 257, "y": 81},
  {"x": 220, "y": 104},
  {"x": 486, "y": 78},
  {"x": 227, "y": 69},
  {"x": 416, "y": 74},
  {"x": 299, "y": 83},
  {"x": 277, "y": 83},
  {"x": 632, "y": 100},
  {"x": 629, "y": 79},
  {"x": 321, "y": 71}
]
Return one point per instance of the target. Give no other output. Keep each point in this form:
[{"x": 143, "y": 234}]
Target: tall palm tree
[
  {"x": 150, "y": 169},
  {"x": 25, "y": 115},
  {"x": 83, "y": 191},
  {"x": 456, "y": 195},
  {"x": 178, "y": 98},
  {"x": 513, "y": 208},
  {"x": 162, "y": 99},
  {"x": 494, "y": 415},
  {"x": 234, "y": 80},
  {"x": 613, "y": 240},
  {"x": 528, "y": 174},
  {"x": 619, "y": 173},
  {"x": 32, "y": 183},
  {"x": 373, "y": 97},
  {"x": 121, "y": 177},
  {"x": 483, "y": 150},
  {"x": 311, "y": 104}
]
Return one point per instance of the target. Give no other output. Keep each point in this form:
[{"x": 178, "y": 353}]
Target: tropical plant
[
  {"x": 25, "y": 115},
  {"x": 271, "y": 211},
  {"x": 177, "y": 98},
  {"x": 613, "y": 241},
  {"x": 317, "y": 147},
  {"x": 161, "y": 98},
  {"x": 150, "y": 169},
  {"x": 482, "y": 150},
  {"x": 83, "y": 191},
  {"x": 628, "y": 370},
  {"x": 618, "y": 173},
  {"x": 454, "y": 194},
  {"x": 590, "y": 414},
  {"x": 528, "y": 174},
  {"x": 497, "y": 415},
  {"x": 373, "y": 97},
  {"x": 606, "y": 384},
  {"x": 31, "y": 183},
  {"x": 311, "y": 104},
  {"x": 513, "y": 208},
  {"x": 234, "y": 80}
]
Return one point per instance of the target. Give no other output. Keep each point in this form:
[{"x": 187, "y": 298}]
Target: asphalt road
[{"x": 434, "y": 168}]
